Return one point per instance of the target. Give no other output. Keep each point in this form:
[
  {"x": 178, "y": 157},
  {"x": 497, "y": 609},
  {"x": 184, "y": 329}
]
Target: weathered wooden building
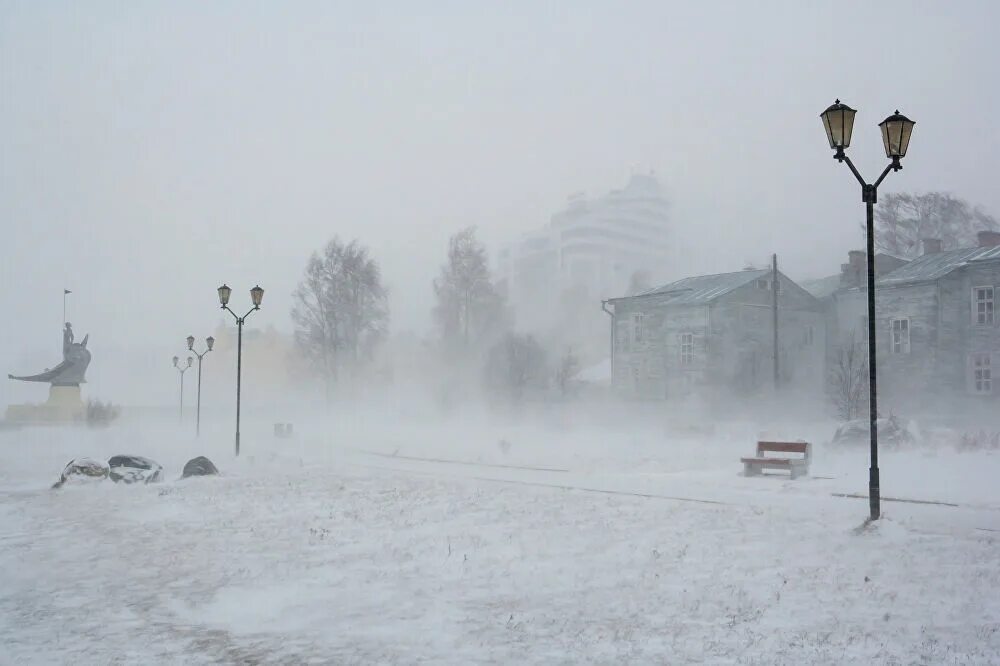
[
  {"x": 713, "y": 335},
  {"x": 937, "y": 333}
]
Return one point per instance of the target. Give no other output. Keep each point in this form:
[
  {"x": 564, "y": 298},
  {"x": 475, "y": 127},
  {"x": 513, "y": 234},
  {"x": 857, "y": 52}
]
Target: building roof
[
  {"x": 703, "y": 289},
  {"x": 822, "y": 287},
  {"x": 935, "y": 266}
]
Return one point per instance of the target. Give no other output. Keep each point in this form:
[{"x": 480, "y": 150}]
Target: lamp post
[
  {"x": 182, "y": 369},
  {"x": 256, "y": 296},
  {"x": 209, "y": 342},
  {"x": 838, "y": 120}
]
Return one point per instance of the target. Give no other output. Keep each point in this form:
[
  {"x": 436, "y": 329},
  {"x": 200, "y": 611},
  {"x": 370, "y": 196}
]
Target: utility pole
[
  {"x": 611, "y": 313},
  {"x": 774, "y": 308}
]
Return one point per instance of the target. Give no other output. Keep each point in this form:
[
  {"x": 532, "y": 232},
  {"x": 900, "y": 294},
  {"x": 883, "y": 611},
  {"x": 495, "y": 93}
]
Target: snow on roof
[
  {"x": 822, "y": 287},
  {"x": 935, "y": 266},
  {"x": 704, "y": 288}
]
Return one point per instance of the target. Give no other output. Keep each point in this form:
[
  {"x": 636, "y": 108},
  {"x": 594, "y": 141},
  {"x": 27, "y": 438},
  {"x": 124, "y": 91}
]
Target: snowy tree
[
  {"x": 340, "y": 309},
  {"x": 515, "y": 363},
  {"x": 903, "y": 220},
  {"x": 849, "y": 379},
  {"x": 467, "y": 303}
]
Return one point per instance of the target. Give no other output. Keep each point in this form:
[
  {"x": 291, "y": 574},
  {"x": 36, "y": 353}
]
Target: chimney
[
  {"x": 988, "y": 238},
  {"x": 931, "y": 245},
  {"x": 854, "y": 269},
  {"x": 856, "y": 259}
]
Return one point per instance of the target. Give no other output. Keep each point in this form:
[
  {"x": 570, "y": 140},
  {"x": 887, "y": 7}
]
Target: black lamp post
[
  {"x": 256, "y": 296},
  {"x": 182, "y": 369},
  {"x": 209, "y": 342},
  {"x": 838, "y": 120}
]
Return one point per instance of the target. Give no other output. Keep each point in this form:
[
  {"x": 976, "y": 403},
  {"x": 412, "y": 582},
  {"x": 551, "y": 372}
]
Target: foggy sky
[{"x": 151, "y": 151}]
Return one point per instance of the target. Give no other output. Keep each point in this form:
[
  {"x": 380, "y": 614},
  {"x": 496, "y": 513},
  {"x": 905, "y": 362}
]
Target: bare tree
[
  {"x": 849, "y": 378},
  {"x": 340, "y": 309},
  {"x": 903, "y": 220},
  {"x": 468, "y": 303},
  {"x": 639, "y": 282},
  {"x": 515, "y": 363}
]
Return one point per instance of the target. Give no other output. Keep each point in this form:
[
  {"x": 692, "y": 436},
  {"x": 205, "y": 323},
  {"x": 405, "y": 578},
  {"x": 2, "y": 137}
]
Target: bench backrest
[{"x": 785, "y": 447}]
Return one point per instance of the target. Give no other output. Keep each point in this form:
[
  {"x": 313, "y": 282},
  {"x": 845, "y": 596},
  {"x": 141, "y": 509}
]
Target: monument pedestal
[
  {"x": 65, "y": 405},
  {"x": 66, "y": 401}
]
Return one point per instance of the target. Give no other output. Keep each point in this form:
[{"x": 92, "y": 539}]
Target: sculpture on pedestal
[
  {"x": 76, "y": 358},
  {"x": 65, "y": 403}
]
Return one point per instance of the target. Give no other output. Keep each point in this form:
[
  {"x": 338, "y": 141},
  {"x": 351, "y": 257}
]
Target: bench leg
[{"x": 749, "y": 469}]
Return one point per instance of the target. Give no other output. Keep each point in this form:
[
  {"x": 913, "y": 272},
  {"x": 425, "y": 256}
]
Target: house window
[
  {"x": 982, "y": 298},
  {"x": 900, "y": 343},
  {"x": 687, "y": 348},
  {"x": 982, "y": 373},
  {"x": 764, "y": 283},
  {"x": 637, "y": 322}
]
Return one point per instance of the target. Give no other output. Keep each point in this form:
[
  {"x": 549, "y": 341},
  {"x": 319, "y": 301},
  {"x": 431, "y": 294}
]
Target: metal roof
[
  {"x": 822, "y": 287},
  {"x": 935, "y": 266},
  {"x": 704, "y": 288}
]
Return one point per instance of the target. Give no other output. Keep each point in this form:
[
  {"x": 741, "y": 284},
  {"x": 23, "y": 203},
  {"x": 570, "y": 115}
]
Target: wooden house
[{"x": 713, "y": 335}]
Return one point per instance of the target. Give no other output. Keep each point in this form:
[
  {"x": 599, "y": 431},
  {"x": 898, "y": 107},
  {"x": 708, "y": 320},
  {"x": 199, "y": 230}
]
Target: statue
[{"x": 76, "y": 358}]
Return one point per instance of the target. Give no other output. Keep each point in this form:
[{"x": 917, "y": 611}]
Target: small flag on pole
[{"x": 66, "y": 291}]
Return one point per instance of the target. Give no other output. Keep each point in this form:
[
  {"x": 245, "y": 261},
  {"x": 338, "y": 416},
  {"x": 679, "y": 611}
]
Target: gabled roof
[
  {"x": 822, "y": 287},
  {"x": 703, "y": 289},
  {"x": 935, "y": 266}
]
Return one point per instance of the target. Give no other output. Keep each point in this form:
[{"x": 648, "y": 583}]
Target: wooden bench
[{"x": 796, "y": 466}]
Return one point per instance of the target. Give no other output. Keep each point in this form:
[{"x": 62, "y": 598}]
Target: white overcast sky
[{"x": 152, "y": 150}]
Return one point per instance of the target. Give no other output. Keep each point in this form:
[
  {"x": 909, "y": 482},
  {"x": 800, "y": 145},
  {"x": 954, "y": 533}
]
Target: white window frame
[
  {"x": 638, "y": 322},
  {"x": 988, "y": 316},
  {"x": 981, "y": 368},
  {"x": 686, "y": 352},
  {"x": 903, "y": 345}
]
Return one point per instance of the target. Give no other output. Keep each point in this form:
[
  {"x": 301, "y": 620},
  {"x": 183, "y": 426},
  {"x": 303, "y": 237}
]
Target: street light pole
[
  {"x": 256, "y": 296},
  {"x": 838, "y": 120},
  {"x": 182, "y": 369},
  {"x": 209, "y": 342}
]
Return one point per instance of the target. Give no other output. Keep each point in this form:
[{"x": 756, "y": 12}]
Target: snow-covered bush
[{"x": 893, "y": 432}]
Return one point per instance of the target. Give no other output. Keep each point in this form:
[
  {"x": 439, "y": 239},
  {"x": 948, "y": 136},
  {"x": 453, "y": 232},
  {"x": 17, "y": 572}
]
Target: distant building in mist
[{"x": 594, "y": 249}]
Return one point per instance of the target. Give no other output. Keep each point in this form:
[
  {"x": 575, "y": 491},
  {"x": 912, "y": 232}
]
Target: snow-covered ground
[{"x": 378, "y": 540}]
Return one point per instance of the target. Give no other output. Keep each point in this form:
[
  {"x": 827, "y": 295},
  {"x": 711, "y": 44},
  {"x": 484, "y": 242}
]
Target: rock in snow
[
  {"x": 134, "y": 469},
  {"x": 83, "y": 469},
  {"x": 200, "y": 466}
]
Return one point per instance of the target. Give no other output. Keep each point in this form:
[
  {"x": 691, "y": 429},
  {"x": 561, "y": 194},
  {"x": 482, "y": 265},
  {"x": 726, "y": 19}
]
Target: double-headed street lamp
[
  {"x": 256, "y": 296},
  {"x": 209, "y": 342},
  {"x": 182, "y": 369},
  {"x": 838, "y": 120}
]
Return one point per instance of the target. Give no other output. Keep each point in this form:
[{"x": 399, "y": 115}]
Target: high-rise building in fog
[{"x": 592, "y": 250}]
